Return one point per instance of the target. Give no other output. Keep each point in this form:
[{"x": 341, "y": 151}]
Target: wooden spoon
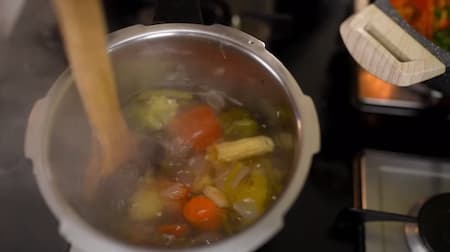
[{"x": 83, "y": 28}]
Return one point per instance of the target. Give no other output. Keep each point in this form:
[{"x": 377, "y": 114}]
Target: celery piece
[
  {"x": 151, "y": 114},
  {"x": 145, "y": 203},
  {"x": 238, "y": 123},
  {"x": 151, "y": 110}
]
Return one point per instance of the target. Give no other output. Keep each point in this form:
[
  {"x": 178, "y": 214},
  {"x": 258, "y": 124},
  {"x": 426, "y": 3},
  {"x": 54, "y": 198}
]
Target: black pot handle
[
  {"x": 178, "y": 11},
  {"x": 366, "y": 215}
]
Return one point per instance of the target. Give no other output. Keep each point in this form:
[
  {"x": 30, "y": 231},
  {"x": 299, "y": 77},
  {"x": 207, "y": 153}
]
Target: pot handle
[
  {"x": 384, "y": 49},
  {"x": 367, "y": 215},
  {"x": 312, "y": 124},
  {"x": 34, "y": 129}
]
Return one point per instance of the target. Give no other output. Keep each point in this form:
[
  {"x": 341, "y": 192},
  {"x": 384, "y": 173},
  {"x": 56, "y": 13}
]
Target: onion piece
[
  {"x": 217, "y": 99},
  {"x": 247, "y": 209},
  {"x": 243, "y": 172},
  {"x": 219, "y": 180},
  {"x": 214, "y": 99},
  {"x": 216, "y": 195}
]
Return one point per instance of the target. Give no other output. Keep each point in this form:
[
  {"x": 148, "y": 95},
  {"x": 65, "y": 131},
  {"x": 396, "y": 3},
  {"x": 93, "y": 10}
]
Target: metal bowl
[{"x": 168, "y": 55}]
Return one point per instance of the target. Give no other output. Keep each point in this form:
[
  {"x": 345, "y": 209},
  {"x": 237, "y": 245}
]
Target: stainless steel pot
[
  {"x": 169, "y": 55},
  {"x": 385, "y": 45}
]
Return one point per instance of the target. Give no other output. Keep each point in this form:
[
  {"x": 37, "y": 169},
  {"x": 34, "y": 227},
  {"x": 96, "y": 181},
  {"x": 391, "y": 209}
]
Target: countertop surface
[{"x": 30, "y": 61}]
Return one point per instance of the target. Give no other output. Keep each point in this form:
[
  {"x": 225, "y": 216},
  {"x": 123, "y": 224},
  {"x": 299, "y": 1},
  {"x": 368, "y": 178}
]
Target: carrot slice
[
  {"x": 197, "y": 126},
  {"x": 202, "y": 213}
]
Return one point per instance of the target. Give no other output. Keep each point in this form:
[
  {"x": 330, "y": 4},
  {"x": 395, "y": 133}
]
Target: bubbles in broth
[{"x": 212, "y": 166}]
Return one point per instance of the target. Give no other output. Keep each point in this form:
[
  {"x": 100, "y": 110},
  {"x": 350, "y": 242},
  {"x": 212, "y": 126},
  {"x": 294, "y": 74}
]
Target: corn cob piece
[{"x": 244, "y": 148}]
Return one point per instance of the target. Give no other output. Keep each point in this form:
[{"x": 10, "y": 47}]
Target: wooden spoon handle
[{"x": 83, "y": 28}]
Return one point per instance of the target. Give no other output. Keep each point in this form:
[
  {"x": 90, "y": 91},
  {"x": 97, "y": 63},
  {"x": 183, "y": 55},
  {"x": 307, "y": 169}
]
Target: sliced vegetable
[
  {"x": 219, "y": 178},
  {"x": 145, "y": 203},
  {"x": 253, "y": 190},
  {"x": 197, "y": 126},
  {"x": 216, "y": 195},
  {"x": 248, "y": 210},
  {"x": 200, "y": 182},
  {"x": 232, "y": 180},
  {"x": 202, "y": 213},
  {"x": 214, "y": 98},
  {"x": 153, "y": 109},
  {"x": 152, "y": 114},
  {"x": 273, "y": 174},
  {"x": 177, "y": 230},
  {"x": 211, "y": 157},
  {"x": 238, "y": 123},
  {"x": 233, "y": 114},
  {"x": 244, "y": 148}
]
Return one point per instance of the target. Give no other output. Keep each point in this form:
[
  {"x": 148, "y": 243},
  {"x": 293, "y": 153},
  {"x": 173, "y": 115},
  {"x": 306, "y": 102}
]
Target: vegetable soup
[{"x": 213, "y": 167}]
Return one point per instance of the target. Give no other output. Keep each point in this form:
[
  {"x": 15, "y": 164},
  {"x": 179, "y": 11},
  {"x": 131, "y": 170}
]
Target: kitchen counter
[{"x": 31, "y": 60}]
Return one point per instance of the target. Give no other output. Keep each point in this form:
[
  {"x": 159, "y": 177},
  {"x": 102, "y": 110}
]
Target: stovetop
[
  {"x": 398, "y": 183},
  {"x": 310, "y": 48}
]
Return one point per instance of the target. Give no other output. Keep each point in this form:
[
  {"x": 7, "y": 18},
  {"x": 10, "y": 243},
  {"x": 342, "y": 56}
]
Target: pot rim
[{"x": 84, "y": 236}]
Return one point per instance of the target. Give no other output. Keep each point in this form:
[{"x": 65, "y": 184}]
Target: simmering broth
[{"x": 211, "y": 167}]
